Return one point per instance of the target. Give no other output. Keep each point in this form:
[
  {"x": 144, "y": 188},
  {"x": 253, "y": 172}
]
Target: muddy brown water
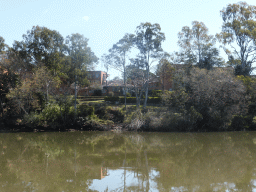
[{"x": 109, "y": 161}]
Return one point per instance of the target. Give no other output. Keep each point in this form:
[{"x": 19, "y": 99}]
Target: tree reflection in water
[{"x": 96, "y": 161}]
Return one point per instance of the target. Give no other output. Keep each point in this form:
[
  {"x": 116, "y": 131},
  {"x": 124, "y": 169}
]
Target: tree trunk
[
  {"x": 125, "y": 87},
  {"x": 146, "y": 88},
  {"x": 75, "y": 98}
]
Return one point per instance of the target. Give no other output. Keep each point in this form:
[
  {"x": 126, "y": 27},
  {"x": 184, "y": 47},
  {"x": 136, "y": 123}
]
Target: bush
[
  {"x": 240, "y": 122},
  {"x": 85, "y": 110},
  {"x": 32, "y": 120},
  {"x": 51, "y": 114},
  {"x": 107, "y": 113},
  {"x": 156, "y": 93}
]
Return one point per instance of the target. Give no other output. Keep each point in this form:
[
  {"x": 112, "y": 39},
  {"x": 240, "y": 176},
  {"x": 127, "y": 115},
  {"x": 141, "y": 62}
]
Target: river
[{"x": 109, "y": 161}]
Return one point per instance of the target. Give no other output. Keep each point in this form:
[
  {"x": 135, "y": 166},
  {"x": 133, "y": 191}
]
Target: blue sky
[{"x": 104, "y": 22}]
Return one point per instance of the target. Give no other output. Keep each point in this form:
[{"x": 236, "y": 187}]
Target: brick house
[{"x": 97, "y": 77}]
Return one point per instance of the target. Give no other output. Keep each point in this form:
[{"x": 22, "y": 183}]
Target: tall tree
[
  {"x": 136, "y": 77},
  {"x": 41, "y": 46},
  {"x": 239, "y": 32},
  {"x": 196, "y": 45},
  {"x": 119, "y": 52},
  {"x": 2, "y": 44},
  {"x": 80, "y": 59},
  {"x": 106, "y": 62},
  {"x": 148, "y": 41}
]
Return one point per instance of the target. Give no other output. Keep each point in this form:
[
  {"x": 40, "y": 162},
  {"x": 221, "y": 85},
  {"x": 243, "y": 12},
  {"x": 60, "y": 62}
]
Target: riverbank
[{"x": 106, "y": 117}]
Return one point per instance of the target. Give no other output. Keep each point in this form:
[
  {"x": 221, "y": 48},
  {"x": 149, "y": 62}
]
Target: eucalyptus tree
[
  {"x": 239, "y": 33},
  {"x": 137, "y": 77},
  {"x": 196, "y": 46},
  {"x": 119, "y": 54},
  {"x": 148, "y": 40},
  {"x": 106, "y": 62},
  {"x": 2, "y": 44},
  {"x": 80, "y": 59}
]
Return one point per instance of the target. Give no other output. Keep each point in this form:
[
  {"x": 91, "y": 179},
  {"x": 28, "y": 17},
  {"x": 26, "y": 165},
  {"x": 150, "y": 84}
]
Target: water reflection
[{"x": 96, "y": 161}]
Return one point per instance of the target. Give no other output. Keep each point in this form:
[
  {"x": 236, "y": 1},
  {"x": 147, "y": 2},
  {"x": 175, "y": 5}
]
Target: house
[
  {"x": 97, "y": 77},
  {"x": 117, "y": 87}
]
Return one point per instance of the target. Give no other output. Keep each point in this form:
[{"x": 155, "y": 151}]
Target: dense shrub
[
  {"x": 85, "y": 110},
  {"x": 108, "y": 113}
]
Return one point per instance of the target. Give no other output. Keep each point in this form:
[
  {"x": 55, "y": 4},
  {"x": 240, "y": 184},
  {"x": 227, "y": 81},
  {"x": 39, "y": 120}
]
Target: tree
[
  {"x": 106, "y": 62},
  {"x": 148, "y": 41},
  {"x": 42, "y": 46},
  {"x": 136, "y": 77},
  {"x": 198, "y": 47},
  {"x": 44, "y": 82},
  {"x": 33, "y": 90},
  {"x": 2, "y": 44},
  {"x": 210, "y": 58},
  {"x": 239, "y": 27},
  {"x": 164, "y": 71},
  {"x": 8, "y": 81},
  {"x": 215, "y": 94},
  {"x": 213, "y": 97},
  {"x": 119, "y": 53},
  {"x": 80, "y": 59}
]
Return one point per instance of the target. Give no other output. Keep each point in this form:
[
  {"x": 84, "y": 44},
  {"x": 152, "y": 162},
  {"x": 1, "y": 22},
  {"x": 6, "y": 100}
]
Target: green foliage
[
  {"x": 33, "y": 120},
  {"x": 156, "y": 93},
  {"x": 250, "y": 84},
  {"x": 240, "y": 122},
  {"x": 41, "y": 46},
  {"x": 85, "y": 110},
  {"x": 79, "y": 58},
  {"x": 51, "y": 113},
  {"x": 108, "y": 113},
  {"x": 198, "y": 47},
  {"x": 239, "y": 27},
  {"x": 2, "y": 44},
  {"x": 175, "y": 99}
]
